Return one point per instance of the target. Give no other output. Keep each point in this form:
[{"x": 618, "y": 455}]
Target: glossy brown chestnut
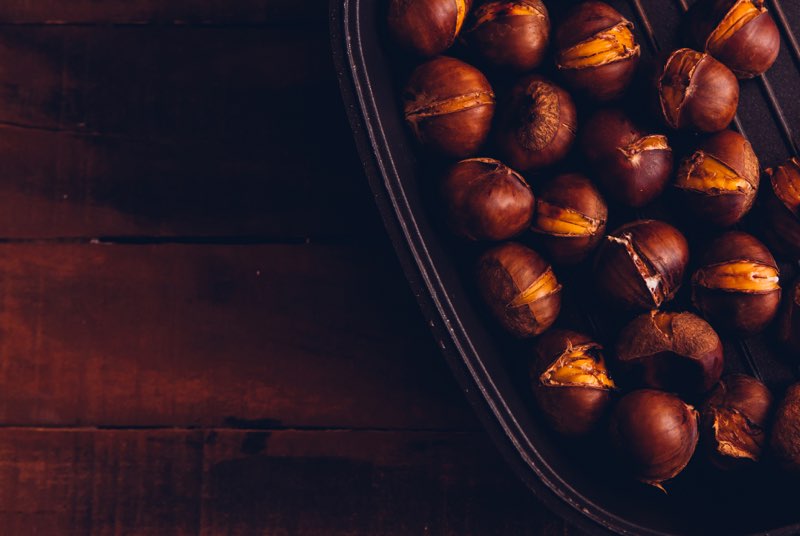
[
  {"x": 520, "y": 289},
  {"x": 633, "y": 167},
  {"x": 510, "y": 34},
  {"x": 789, "y": 326},
  {"x": 739, "y": 33},
  {"x": 655, "y": 433},
  {"x": 641, "y": 264},
  {"x": 785, "y": 438},
  {"x": 782, "y": 209},
  {"x": 734, "y": 421},
  {"x": 449, "y": 105},
  {"x": 677, "y": 352},
  {"x": 596, "y": 50},
  {"x": 570, "y": 381},
  {"x": 737, "y": 285},
  {"x": 719, "y": 181},
  {"x": 427, "y": 27},
  {"x": 570, "y": 218},
  {"x": 537, "y": 126},
  {"x": 696, "y": 92}
]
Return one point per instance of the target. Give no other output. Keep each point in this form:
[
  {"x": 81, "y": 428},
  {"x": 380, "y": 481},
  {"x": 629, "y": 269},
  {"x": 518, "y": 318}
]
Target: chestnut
[
  {"x": 719, "y": 181},
  {"x": 570, "y": 381},
  {"x": 785, "y": 437},
  {"x": 486, "y": 200},
  {"x": 537, "y": 126},
  {"x": 734, "y": 420},
  {"x": 789, "y": 326},
  {"x": 596, "y": 50},
  {"x": 641, "y": 264},
  {"x": 655, "y": 434},
  {"x": 633, "y": 167},
  {"x": 737, "y": 286},
  {"x": 697, "y": 92},
  {"x": 739, "y": 33},
  {"x": 449, "y": 105},
  {"x": 782, "y": 208},
  {"x": 570, "y": 218},
  {"x": 511, "y": 35},
  {"x": 678, "y": 352},
  {"x": 427, "y": 27},
  {"x": 520, "y": 289}
]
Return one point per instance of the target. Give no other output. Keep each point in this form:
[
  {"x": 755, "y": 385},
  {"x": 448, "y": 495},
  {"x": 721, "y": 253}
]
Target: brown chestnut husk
[
  {"x": 789, "y": 325},
  {"x": 427, "y": 27},
  {"x": 449, "y": 105},
  {"x": 737, "y": 286},
  {"x": 696, "y": 92},
  {"x": 719, "y": 181},
  {"x": 537, "y": 126},
  {"x": 570, "y": 218},
  {"x": 678, "y": 352},
  {"x": 785, "y": 437},
  {"x": 655, "y": 434},
  {"x": 486, "y": 200},
  {"x": 510, "y": 34},
  {"x": 782, "y": 208},
  {"x": 596, "y": 50},
  {"x": 641, "y": 264},
  {"x": 520, "y": 288},
  {"x": 570, "y": 381},
  {"x": 632, "y": 167}
]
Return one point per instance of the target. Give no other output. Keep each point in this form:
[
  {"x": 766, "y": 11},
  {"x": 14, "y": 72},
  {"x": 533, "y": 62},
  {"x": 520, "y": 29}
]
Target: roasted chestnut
[
  {"x": 427, "y": 27},
  {"x": 641, "y": 264},
  {"x": 570, "y": 218},
  {"x": 486, "y": 200},
  {"x": 734, "y": 421},
  {"x": 596, "y": 50},
  {"x": 719, "y": 181},
  {"x": 449, "y": 106},
  {"x": 696, "y": 92},
  {"x": 739, "y": 33},
  {"x": 520, "y": 289},
  {"x": 678, "y": 352},
  {"x": 737, "y": 286},
  {"x": 789, "y": 328},
  {"x": 782, "y": 208},
  {"x": 512, "y": 35},
  {"x": 570, "y": 381},
  {"x": 633, "y": 167},
  {"x": 537, "y": 126},
  {"x": 785, "y": 438},
  {"x": 655, "y": 434}
]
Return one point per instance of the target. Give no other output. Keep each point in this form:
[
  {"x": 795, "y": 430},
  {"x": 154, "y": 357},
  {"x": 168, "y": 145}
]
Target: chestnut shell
[
  {"x": 425, "y": 27},
  {"x": 785, "y": 437},
  {"x": 789, "y": 325},
  {"x": 782, "y": 228}
]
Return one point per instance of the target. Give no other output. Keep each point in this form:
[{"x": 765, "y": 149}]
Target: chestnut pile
[{"x": 660, "y": 392}]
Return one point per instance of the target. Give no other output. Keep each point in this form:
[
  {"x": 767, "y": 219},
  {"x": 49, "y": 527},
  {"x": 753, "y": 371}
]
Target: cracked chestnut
[
  {"x": 789, "y": 327},
  {"x": 427, "y": 27},
  {"x": 520, "y": 288},
  {"x": 570, "y": 381},
  {"x": 737, "y": 286},
  {"x": 782, "y": 208},
  {"x": 641, "y": 264},
  {"x": 538, "y": 124},
  {"x": 696, "y": 92},
  {"x": 719, "y": 181},
  {"x": 676, "y": 352},
  {"x": 449, "y": 105},
  {"x": 632, "y": 166},
  {"x": 596, "y": 50},
  {"x": 785, "y": 437}
]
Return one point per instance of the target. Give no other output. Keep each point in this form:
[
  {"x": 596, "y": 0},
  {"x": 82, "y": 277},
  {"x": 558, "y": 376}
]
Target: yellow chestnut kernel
[
  {"x": 654, "y": 142},
  {"x": 786, "y": 184},
  {"x": 707, "y": 173},
  {"x": 615, "y": 44},
  {"x": 676, "y": 80},
  {"x": 461, "y": 14},
  {"x": 740, "y": 14},
  {"x": 545, "y": 285},
  {"x": 564, "y": 221},
  {"x": 449, "y": 106},
  {"x": 742, "y": 276},
  {"x": 730, "y": 441},
  {"x": 493, "y": 10},
  {"x": 579, "y": 366}
]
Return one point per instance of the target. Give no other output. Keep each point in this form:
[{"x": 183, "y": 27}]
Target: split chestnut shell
[
  {"x": 427, "y": 27},
  {"x": 782, "y": 208}
]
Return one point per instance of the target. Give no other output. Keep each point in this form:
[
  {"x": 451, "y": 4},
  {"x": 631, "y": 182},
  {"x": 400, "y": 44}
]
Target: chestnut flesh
[
  {"x": 789, "y": 328},
  {"x": 785, "y": 437},
  {"x": 427, "y": 27},
  {"x": 782, "y": 208}
]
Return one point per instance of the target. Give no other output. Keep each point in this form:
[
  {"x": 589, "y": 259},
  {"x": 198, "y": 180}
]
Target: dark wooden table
[{"x": 203, "y": 326}]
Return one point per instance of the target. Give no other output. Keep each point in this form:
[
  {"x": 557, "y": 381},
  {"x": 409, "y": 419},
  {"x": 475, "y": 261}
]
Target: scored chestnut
[
  {"x": 449, "y": 105},
  {"x": 641, "y": 264},
  {"x": 737, "y": 287},
  {"x": 486, "y": 200},
  {"x": 512, "y": 35},
  {"x": 734, "y": 420},
  {"x": 789, "y": 327},
  {"x": 719, "y": 181},
  {"x": 678, "y": 352},
  {"x": 785, "y": 438},
  {"x": 739, "y": 33},
  {"x": 520, "y": 289},
  {"x": 596, "y": 50},
  {"x": 633, "y": 167},
  {"x": 538, "y": 124},
  {"x": 427, "y": 27},
  {"x": 570, "y": 218},
  {"x": 696, "y": 92},
  {"x": 655, "y": 434},
  {"x": 782, "y": 208},
  {"x": 570, "y": 381}
]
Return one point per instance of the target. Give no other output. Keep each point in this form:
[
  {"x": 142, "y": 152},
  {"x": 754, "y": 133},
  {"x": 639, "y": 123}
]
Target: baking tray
[{"x": 575, "y": 479}]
